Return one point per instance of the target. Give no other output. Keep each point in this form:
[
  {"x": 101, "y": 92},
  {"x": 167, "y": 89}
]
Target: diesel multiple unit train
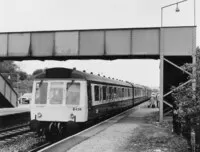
[{"x": 63, "y": 98}]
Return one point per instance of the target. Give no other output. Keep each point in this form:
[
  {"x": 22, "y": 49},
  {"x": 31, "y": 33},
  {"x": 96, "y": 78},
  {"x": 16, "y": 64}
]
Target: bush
[{"x": 187, "y": 103}]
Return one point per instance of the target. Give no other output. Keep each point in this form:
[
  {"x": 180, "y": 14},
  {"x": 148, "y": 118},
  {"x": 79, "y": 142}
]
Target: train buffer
[{"x": 135, "y": 130}]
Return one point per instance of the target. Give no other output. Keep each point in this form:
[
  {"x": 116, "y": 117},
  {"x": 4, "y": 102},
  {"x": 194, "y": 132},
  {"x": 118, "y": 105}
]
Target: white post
[
  {"x": 161, "y": 87},
  {"x": 161, "y": 69}
]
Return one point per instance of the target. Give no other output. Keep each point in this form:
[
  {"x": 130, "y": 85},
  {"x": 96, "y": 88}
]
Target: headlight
[
  {"x": 72, "y": 116},
  {"x": 39, "y": 115}
]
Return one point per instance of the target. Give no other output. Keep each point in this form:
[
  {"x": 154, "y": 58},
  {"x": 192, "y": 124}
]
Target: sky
[
  {"x": 37, "y": 15},
  {"x": 144, "y": 72}
]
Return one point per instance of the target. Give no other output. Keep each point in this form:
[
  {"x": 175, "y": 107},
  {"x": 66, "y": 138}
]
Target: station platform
[
  {"x": 113, "y": 135},
  {"x": 117, "y": 137},
  {"x": 14, "y": 116},
  {"x": 11, "y": 111}
]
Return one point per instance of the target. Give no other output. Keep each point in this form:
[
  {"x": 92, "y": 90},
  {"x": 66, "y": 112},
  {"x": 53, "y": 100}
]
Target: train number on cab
[{"x": 77, "y": 109}]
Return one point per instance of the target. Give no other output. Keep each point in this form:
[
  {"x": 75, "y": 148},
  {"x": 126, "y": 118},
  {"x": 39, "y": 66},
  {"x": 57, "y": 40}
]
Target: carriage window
[
  {"x": 140, "y": 92},
  {"x": 96, "y": 93},
  {"x": 73, "y": 94},
  {"x": 136, "y": 92},
  {"x": 56, "y": 93},
  {"x": 101, "y": 96},
  {"x": 115, "y": 92},
  {"x": 125, "y": 92},
  {"x": 129, "y": 93},
  {"x": 41, "y": 93},
  {"x": 104, "y": 92},
  {"x": 110, "y": 92},
  {"x": 122, "y": 92},
  {"x": 118, "y": 92}
]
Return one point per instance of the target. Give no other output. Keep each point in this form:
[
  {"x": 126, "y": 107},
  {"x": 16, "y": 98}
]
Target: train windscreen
[
  {"x": 73, "y": 94},
  {"x": 41, "y": 93},
  {"x": 56, "y": 93}
]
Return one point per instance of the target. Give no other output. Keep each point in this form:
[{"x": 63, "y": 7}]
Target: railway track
[{"x": 13, "y": 133}]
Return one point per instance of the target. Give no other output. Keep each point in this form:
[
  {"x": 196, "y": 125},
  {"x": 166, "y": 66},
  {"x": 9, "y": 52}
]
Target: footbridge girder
[{"x": 134, "y": 42}]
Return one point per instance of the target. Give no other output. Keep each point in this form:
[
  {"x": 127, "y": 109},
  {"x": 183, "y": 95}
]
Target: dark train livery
[{"x": 62, "y": 97}]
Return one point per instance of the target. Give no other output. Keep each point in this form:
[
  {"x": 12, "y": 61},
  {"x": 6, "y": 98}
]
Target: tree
[
  {"x": 22, "y": 75},
  {"x": 9, "y": 70},
  {"x": 36, "y": 72},
  {"x": 14, "y": 75},
  {"x": 8, "y": 67}
]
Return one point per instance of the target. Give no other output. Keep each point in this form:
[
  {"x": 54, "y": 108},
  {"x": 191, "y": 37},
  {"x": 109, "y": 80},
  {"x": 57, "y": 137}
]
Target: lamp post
[
  {"x": 162, "y": 56},
  {"x": 194, "y": 12},
  {"x": 177, "y": 9}
]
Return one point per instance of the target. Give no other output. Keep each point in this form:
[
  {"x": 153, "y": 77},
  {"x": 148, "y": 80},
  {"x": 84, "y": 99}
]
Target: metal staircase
[{"x": 8, "y": 96}]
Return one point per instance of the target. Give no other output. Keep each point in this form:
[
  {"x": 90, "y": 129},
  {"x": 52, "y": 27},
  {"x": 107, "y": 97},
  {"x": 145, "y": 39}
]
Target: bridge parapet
[{"x": 131, "y": 42}]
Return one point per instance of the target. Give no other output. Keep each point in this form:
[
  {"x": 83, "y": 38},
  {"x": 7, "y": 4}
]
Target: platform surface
[
  {"x": 11, "y": 111},
  {"x": 116, "y": 137}
]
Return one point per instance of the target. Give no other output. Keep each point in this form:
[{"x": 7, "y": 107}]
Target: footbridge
[
  {"x": 174, "y": 46},
  {"x": 8, "y": 96}
]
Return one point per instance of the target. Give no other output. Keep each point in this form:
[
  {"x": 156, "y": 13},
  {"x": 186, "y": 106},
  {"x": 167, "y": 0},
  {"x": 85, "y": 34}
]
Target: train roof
[{"x": 63, "y": 73}]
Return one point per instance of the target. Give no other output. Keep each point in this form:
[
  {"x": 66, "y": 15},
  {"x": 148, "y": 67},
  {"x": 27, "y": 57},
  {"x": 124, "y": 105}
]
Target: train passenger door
[{"x": 89, "y": 94}]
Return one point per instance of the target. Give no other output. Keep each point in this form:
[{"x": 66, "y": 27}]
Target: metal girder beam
[
  {"x": 178, "y": 67},
  {"x": 168, "y": 112},
  {"x": 176, "y": 88},
  {"x": 129, "y": 42},
  {"x": 167, "y": 103}
]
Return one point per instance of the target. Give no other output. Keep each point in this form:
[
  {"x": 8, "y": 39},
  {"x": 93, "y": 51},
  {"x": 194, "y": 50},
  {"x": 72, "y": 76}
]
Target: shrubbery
[
  {"x": 187, "y": 104},
  {"x": 187, "y": 100}
]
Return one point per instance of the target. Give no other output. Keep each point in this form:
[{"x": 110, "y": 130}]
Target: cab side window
[{"x": 73, "y": 94}]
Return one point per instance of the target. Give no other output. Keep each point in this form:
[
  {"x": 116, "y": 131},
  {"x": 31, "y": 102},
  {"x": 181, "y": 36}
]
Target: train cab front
[{"x": 56, "y": 104}]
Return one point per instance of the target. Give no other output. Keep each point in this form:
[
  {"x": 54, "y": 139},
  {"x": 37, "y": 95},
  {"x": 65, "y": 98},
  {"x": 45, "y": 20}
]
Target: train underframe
[{"x": 54, "y": 130}]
